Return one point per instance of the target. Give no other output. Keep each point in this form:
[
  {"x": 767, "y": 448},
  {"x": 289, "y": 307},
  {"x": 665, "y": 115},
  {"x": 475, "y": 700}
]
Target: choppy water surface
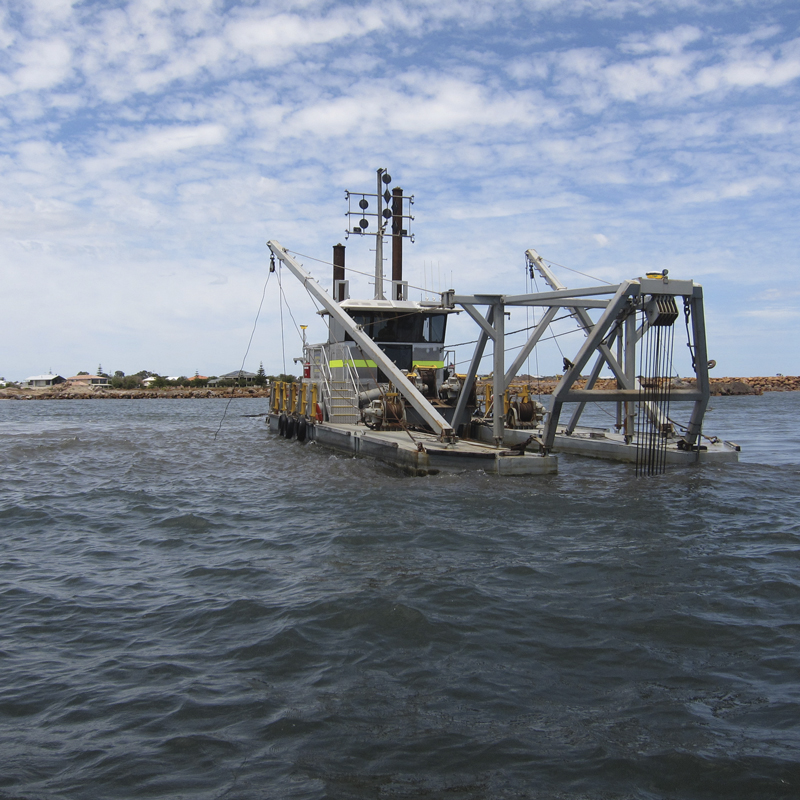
[{"x": 253, "y": 618}]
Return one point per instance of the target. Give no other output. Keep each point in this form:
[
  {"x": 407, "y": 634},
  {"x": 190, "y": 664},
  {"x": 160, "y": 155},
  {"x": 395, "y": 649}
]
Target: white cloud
[
  {"x": 746, "y": 70},
  {"x": 673, "y": 41},
  {"x": 161, "y": 143},
  {"x": 151, "y": 147},
  {"x": 43, "y": 64},
  {"x": 777, "y": 314},
  {"x": 267, "y": 39},
  {"x": 729, "y": 191}
]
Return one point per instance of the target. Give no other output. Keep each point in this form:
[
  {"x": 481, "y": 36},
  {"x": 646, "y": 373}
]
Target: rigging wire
[
  {"x": 360, "y": 272},
  {"x": 554, "y": 337},
  {"x": 427, "y": 291},
  {"x": 280, "y": 303},
  {"x": 530, "y": 328},
  {"x": 578, "y": 272},
  {"x": 250, "y": 342},
  {"x": 296, "y": 326},
  {"x": 527, "y": 310},
  {"x": 535, "y": 283}
]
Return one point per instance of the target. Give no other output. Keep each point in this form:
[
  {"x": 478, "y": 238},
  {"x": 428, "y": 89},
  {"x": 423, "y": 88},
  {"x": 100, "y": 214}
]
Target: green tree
[{"x": 261, "y": 376}]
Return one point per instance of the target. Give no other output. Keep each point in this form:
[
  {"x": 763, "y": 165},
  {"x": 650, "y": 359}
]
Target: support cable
[
  {"x": 280, "y": 299},
  {"x": 357, "y": 271},
  {"x": 247, "y": 350},
  {"x": 577, "y": 272}
]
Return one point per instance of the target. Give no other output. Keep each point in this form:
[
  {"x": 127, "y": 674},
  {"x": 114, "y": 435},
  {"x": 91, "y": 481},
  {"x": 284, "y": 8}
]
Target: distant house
[
  {"x": 172, "y": 378},
  {"x": 231, "y": 378},
  {"x": 36, "y": 381},
  {"x": 89, "y": 380}
]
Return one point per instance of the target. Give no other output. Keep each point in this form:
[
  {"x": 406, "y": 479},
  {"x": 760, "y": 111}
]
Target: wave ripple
[{"x": 248, "y": 618}]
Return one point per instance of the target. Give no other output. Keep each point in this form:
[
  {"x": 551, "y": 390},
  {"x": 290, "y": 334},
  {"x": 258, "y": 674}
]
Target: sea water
[{"x": 185, "y": 616}]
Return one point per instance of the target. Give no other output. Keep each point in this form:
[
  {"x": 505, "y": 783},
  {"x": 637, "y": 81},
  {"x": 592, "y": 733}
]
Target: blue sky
[{"x": 149, "y": 150}]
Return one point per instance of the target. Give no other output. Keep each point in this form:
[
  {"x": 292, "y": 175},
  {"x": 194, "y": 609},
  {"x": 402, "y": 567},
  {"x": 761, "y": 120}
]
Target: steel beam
[
  {"x": 593, "y": 340},
  {"x": 695, "y": 427},
  {"x": 479, "y": 318},
  {"x": 537, "y": 333},
  {"x": 561, "y": 294},
  {"x": 498, "y": 376},
  {"x": 632, "y": 395},
  {"x": 469, "y": 381},
  {"x": 593, "y": 376}
]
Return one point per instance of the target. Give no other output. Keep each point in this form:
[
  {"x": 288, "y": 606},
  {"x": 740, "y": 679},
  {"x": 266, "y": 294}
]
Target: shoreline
[
  {"x": 62, "y": 392},
  {"x": 720, "y": 387}
]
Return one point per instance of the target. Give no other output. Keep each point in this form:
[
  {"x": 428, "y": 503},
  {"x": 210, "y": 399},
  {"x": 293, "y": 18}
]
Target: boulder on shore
[{"x": 733, "y": 388}]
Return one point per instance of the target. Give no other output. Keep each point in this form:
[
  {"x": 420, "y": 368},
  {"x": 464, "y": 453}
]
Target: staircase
[
  {"x": 342, "y": 403},
  {"x": 339, "y": 392}
]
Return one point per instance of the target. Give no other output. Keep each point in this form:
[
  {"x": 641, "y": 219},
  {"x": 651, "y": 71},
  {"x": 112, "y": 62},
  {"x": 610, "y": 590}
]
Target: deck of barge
[
  {"x": 602, "y": 443},
  {"x": 422, "y": 453}
]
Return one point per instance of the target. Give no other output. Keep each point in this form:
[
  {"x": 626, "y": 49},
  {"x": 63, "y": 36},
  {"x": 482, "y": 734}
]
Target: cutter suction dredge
[{"x": 383, "y": 384}]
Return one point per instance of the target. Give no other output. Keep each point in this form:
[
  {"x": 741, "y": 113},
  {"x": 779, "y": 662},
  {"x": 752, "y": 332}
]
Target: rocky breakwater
[
  {"x": 67, "y": 392},
  {"x": 719, "y": 386},
  {"x": 777, "y": 383},
  {"x": 744, "y": 386}
]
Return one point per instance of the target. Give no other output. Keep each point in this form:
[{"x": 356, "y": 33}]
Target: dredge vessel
[{"x": 382, "y": 385}]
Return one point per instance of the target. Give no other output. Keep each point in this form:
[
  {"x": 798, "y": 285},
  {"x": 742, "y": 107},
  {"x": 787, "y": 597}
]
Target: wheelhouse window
[{"x": 398, "y": 326}]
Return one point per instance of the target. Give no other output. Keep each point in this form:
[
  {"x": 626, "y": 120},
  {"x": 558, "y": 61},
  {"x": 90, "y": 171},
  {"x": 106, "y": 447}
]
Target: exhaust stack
[
  {"x": 340, "y": 288},
  {"x": 397, "y": 243}
]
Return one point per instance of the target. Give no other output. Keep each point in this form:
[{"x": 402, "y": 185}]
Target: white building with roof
[
  {"x": 37, "y": 381},
  {"x": 89, "y": 380}
]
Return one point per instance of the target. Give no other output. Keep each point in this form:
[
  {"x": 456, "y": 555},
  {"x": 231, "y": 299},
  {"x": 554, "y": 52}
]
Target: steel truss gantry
[{"x": 615, "y": 330}]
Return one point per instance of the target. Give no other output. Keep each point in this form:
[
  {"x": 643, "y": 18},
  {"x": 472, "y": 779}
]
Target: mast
[
  {"x": 379, "y": 239},
  {"x": 392, "y": 206}
]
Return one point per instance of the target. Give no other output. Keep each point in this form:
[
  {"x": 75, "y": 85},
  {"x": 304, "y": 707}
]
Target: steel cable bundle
[{"x": 653, "y": 428}]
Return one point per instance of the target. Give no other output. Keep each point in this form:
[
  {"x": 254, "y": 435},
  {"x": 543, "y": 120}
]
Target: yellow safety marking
[
  {"x": 369, "y": 363},
  {"x": 353, "y": 363}
]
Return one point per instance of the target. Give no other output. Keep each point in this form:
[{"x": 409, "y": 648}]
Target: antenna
[{"x": 388, "y": 204}]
